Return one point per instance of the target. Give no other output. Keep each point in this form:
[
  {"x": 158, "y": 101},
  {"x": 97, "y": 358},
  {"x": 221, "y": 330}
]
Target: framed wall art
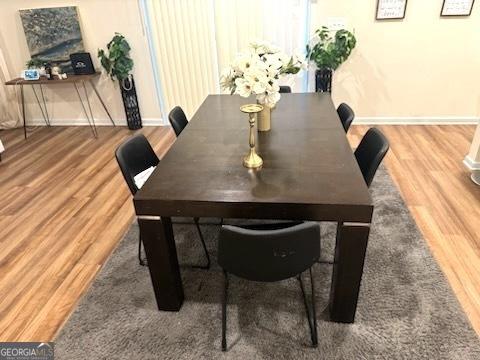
[
  {"x": 457, "y": 7},
  {"x": 53, "y": 34},
  {"x": 391, "y": 9}
]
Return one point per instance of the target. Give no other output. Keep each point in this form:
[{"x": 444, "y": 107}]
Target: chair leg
[
  {"x": 207, "y": 266},
  {"x": 224, "y": 311},
  {"x": 311, "y": 314},
  {"x": 314, "y": 308},
  {"x": 141, "y": 261}
]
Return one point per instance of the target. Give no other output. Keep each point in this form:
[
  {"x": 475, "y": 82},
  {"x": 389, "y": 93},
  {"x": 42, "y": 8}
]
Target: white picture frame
[
  {"x": 457, "y": 7},
  {"x": 391, "y": 9}
]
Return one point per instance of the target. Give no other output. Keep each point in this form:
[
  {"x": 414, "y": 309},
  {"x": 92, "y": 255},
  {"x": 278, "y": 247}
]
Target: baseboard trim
[
  {"x": 361, "y": 120},
  {"x": 98, "y": 122},
  {"x": 471, "y": 164},
  {"x": 420, "y": 120}
]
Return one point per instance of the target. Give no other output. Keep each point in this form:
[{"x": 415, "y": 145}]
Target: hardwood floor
[
  {"x": 58, "y": 224},
  {"x": 425, "y": 162}
]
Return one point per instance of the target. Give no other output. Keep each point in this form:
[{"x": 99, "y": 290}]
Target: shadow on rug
[{"x": 406, "y": 308}]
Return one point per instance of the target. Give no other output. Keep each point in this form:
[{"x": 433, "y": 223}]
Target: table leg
[
  {"x": 157, "y": 237},
  {"x": 47, "y": 122},
  {"x": 101, "y": 101},
  {"x": 351, "y": 245},
  {"x": 45, "y": 105},
  {"x": 94, "y": 130},
  {"x": 90, "y": 108},
  {"x": 23, "y": 112}
]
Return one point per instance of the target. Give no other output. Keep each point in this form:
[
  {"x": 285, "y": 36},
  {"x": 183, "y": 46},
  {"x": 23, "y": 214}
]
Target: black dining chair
[
  {"x": 285, "y": 89},
  {"x": 134, "y": 156},
  {"x": 270, "y": 253},
  {"x": 178, "y": 120},
  {"x": 370, "y": 152},
  {"x": 346, "y": 115}
]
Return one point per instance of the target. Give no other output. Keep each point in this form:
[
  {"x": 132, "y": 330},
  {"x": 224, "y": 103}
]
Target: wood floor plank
[
  {"x": 65, "y": 207},
  {"x": 425, "y": 162}
]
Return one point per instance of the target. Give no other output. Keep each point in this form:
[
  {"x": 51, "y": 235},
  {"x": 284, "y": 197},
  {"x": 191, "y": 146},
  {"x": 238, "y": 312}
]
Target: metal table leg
[
  {"x": 45, "y": 105},
  {"x": 101, "y": 101},
  {"x": 23, "y": 112},
  {"x": 45, "y": 117},
  {"x": 94, "y": 129},
  {"x": 90, "y": 108}
]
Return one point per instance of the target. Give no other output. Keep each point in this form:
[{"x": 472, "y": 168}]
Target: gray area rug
[{"x": 406, "y": 308}]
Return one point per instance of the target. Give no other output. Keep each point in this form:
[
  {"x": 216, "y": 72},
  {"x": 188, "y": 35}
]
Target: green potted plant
[
  {"x": 118, "y": 64},
  {"x": 328, "y": 53},
  {"x": 35, "y": 63}
]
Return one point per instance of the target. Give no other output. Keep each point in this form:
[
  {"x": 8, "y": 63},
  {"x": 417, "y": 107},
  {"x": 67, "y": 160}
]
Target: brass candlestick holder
[{"x": 252, "y": 160}]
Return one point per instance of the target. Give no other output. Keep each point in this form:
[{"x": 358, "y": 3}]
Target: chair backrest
[
  {"x": 134, "y": 156},
  {"x": 346, "y": 115},
  {"x": 285, "y": 89},
  {"x": 269, "y": 255},
  {"x": 178, "y": 120},
  {"x": 370, "y": 153}
]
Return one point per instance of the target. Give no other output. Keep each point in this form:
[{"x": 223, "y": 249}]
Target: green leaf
[
  {"x": 117, "y": 63},
  {"x": 331, "y": 52}
]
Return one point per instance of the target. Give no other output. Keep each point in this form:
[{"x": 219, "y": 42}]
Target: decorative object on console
[
  {"x": 257, "y": 72},
  {"x": 118, "y": 64},
  {"x": 82, "y": 63},
  {"x": 457, "y": 7},
  {"x": 328, "y": 53},
  {"x": 53, "y": 34},
  {"x": 31, "y": 74},
  {"x": 391, "y": 9}
]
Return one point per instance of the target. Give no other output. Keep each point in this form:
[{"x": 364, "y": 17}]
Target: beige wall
[
  {"x": 422, "y": 66},
  {"x": 99, "y": 20}
]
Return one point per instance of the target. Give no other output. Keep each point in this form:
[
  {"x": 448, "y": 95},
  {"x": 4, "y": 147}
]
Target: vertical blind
[
  {"x": 184, "y": 45},
  {"x": 283, "y": 23},
  {"x": 193, "y": 40}
]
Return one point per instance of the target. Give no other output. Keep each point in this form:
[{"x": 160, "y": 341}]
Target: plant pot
[
  {"x": 264, "y": 119},
  {"x": 323, "y": 80},
  {"x": 130, "y": 103}
]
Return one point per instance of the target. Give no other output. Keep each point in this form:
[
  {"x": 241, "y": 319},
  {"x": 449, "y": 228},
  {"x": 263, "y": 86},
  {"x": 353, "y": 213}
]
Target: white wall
[
  {"x": 421, "y": 68},
  {"x": 99, "y": 20}
]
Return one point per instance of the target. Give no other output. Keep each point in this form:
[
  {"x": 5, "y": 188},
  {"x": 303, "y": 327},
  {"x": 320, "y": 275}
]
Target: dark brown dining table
[{"x": 309, "y": 172}]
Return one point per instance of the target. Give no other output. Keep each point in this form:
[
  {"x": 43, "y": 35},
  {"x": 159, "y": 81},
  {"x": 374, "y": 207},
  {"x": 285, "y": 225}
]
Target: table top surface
[
  {"x": 70, "y": 79},
  {"x": 307, "y": 160}
]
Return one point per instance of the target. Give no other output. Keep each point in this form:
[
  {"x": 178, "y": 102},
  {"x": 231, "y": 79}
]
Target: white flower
[
  {"x": 273, "y": 62},
  {"x": 227, "y": 78},
  {"x": 299, "y": 60},
  {"x": 244, "y": 62},
  {"x": 268, "y": 99},
  {"x": 257, "y": 79},
  {"x": 243, "y": 87},
  {"x": 261, "y": 47},
  {"x": 258, "y": 72},
  {"x": 273, "y": 87}
]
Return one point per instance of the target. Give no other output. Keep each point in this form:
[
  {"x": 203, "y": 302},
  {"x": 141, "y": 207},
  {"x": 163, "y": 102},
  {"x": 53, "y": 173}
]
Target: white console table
[{"x": 472, "y": 160}]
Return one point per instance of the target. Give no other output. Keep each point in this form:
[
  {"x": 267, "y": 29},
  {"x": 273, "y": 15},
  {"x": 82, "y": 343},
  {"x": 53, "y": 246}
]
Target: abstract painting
[{"x": 53, "y": 34}]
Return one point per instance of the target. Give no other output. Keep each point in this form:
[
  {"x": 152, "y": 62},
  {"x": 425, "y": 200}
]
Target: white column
[
  {"x": 2, "y": 149},
  {"x": 472, "y": 160}
]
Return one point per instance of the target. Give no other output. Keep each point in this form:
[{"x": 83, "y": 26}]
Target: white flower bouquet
[{"x": 258, "y": 71}]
